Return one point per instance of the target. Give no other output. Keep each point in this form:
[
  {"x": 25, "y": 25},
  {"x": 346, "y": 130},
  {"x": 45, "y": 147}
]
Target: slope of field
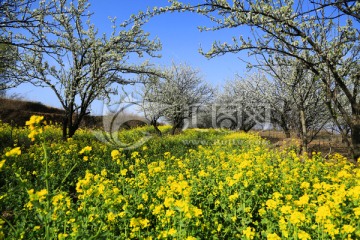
[
  {"x": 17, "y": 112},
  {"x": 204, "y": 184}
]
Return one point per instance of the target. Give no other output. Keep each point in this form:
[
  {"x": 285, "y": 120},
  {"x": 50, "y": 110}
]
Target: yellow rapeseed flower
[
  {"x": 305, "y": 185},
  {"x": 85, "y": 150},
  {"x": 35, "y": 126},
  {"x": 13, "y": 152},
  {"x": 41, "y": 194},
  {"x": 331, "y": 229},
  {"x": 233, "y": 197},
  {"x": 303, "y": 200},
  {"x": 36, "y": 228},
  {"x": 62, "y": 235},
  {"x": 357, "y": 212},
  {"x": 157, "y": 209},
  {"x": 56, "y": 199},
  {"x": 262, "y": 212},
  {"x": 273, "y": 236},
  {"x": 115, "y": 154},
  {"x": 271, "y": 204},
  {"x": 145, "y": 223},
  {"x": 322, "y": 213},
  {"x": 134, "y": 154},
  {"x": 34, "y": 119},
  {"x": 302, "y": 235},
  {"x": 169, "y": 213},
  {"x": 2, "y": 163},
  {"x": 197, "y": 212},
  {"x": 347, "y": 229},
  {"x": 168, "y": 201},
  {"x": 111, "y": 217},
  {"x": 123, "y": 172},
  {"x": 286, "y": 209},
  {"x": 191, "y": 238},
  {"x": 249, "y": 232},
  {"x": 172, "y": 231},
  {"x": 297, "y": 217},
  {"x": 145, "y": 197}
]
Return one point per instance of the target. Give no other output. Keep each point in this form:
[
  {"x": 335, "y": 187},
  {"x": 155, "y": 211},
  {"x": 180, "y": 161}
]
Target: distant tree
[
  {"x": 173, "y": 95},
  {"x": 292, "y": 94},
  {"x": 304, "y": 91},
  {"x": 324, "y": 41},
  {"x": 261, "y": 88},
  {"x": 240, "y": 107},
  {"x": 150, "y": 105},
  {"x": 79, "y": 64}
]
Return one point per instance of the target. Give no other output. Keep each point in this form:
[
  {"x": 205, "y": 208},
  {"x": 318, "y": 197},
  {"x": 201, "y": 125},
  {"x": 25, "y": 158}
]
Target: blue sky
[{"x": 180, "y": 43}]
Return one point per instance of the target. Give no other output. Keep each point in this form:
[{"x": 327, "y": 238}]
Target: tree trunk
[
  {"x": 76, "y": 123},
  {"x": 287, "y": 133},
  {"x": 284, "y": 120},
  {"x": 157, "y": 130},
  {"x": 72, "y": 130},
  {"x": 285, "y": 129},
  {"x": 355, "y": 137},
  {"x": 64, "y": 128},
  {"x": 304, "y": 137},
  {"x": 173, "y": 130},
  {"x": 177, "y": 123}
]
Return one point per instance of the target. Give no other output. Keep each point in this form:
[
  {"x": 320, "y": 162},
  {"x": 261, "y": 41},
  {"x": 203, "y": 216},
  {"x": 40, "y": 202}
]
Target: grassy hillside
[{"x": 17, "y": 112}]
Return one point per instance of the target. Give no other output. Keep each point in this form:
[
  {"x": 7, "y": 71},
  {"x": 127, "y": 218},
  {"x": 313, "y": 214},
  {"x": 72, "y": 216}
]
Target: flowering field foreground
[{"x": 232, "y": 186}]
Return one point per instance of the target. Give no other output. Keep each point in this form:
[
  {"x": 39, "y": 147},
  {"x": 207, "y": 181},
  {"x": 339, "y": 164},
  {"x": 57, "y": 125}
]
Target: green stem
[
  {"x": 11, "y": 226},
  {"x": 97, "y": 233},
  {"x": 47, "y": 189},
  {"x": 68, "y": 173}
]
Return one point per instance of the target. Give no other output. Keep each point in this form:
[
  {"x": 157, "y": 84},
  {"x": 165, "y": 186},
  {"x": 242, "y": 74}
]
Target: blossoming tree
[
  {"x": 81, "y": 65},
  {"x": 320, "y": 34}
]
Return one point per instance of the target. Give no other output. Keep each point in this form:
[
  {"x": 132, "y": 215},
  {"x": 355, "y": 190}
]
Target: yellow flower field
[{"x": 195, "y": 185}]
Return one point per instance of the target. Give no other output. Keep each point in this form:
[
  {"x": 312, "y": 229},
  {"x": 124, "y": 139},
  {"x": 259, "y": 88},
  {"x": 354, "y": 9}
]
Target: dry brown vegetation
[
  {"x": 16, "y": 112},
  {"x": 325, "y": 142}
]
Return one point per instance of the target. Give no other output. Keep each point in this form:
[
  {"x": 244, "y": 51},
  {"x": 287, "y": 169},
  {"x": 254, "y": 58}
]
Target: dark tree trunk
[
  {"x": 76, "y": 123},
  {"x": 173, "y": 130},
  {"x": 304, "y": 134},
  {"x": 155, "y": 125},
  {"x": 72, "y": 130},
  {"x": 285, "y": 129},
  {"x": 355, "y": 137},
  {"x": 287, "y": 132},
  {"x": 177, "y": 123},
  {"x": 70, "y": 125},
  {"x": 64, "y": 128},
  {"x": 284, "y": 126}
]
